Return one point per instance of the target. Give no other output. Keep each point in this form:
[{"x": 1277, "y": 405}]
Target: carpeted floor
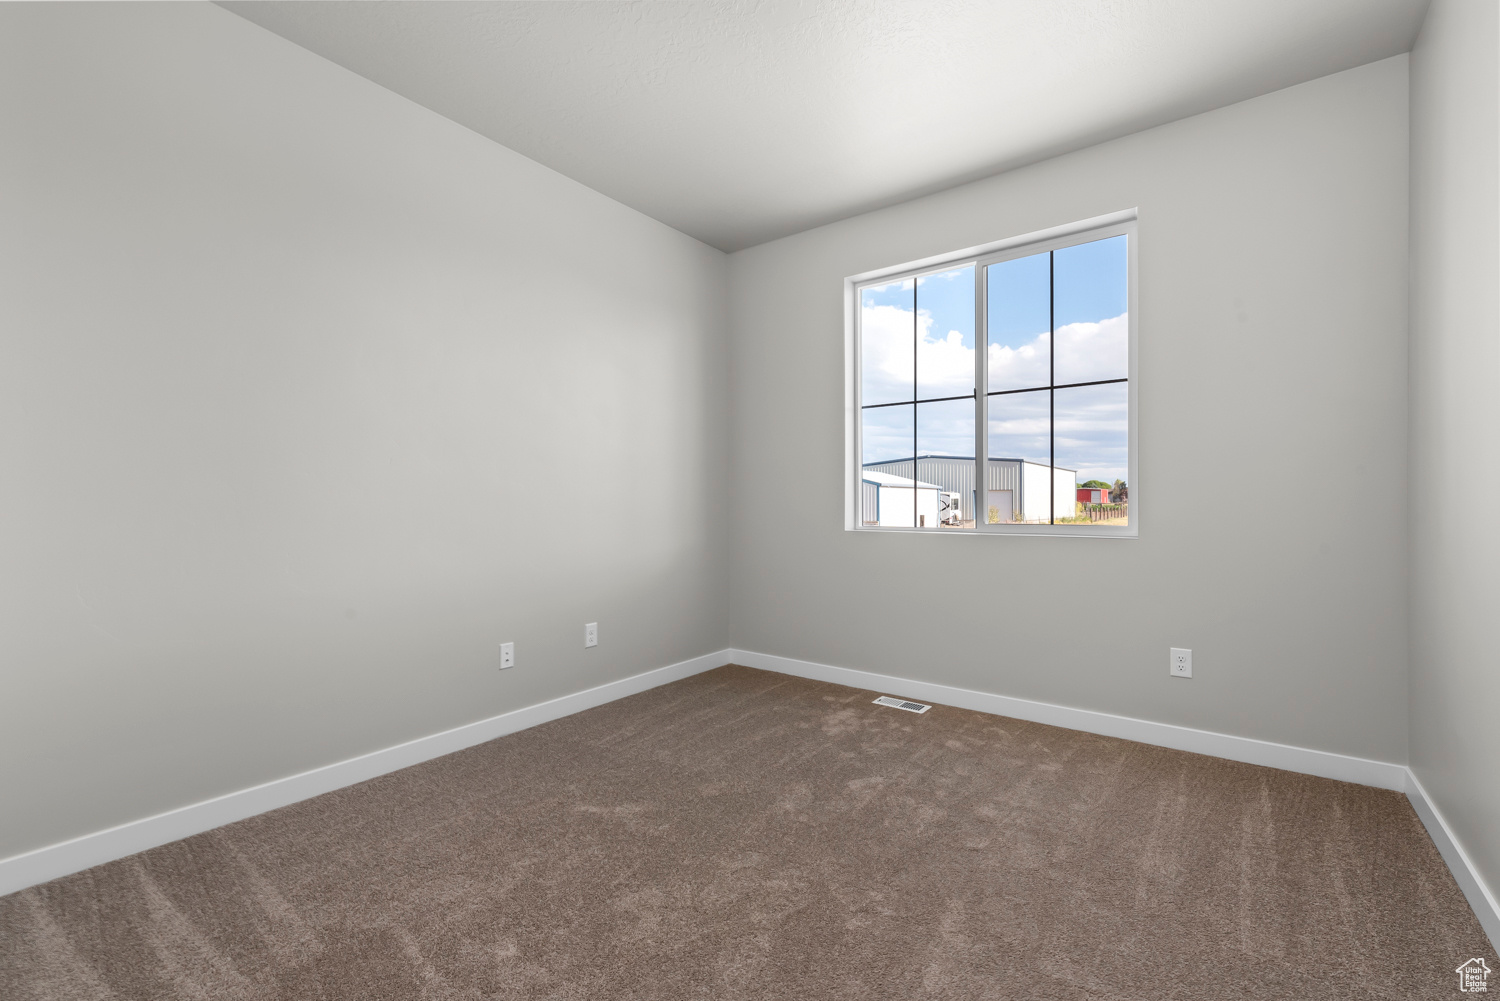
[{"x": 742, "y": 834}]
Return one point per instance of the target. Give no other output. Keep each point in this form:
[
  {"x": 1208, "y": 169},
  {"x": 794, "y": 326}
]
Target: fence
[{"x": 1105, "y": 512}]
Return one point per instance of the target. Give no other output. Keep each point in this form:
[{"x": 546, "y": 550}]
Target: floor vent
[{"x": 911, "y": 707}]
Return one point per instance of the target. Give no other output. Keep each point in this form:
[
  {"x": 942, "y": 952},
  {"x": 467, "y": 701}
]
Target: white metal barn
[
  {"x": 1017, "y": 489},
  {"x": 887, "y": 500}
]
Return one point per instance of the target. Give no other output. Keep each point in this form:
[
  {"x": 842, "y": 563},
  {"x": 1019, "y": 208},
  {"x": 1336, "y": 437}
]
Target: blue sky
[
  {"x": 1091, "y": 297},
  {"x": 1091, "y": 281}
]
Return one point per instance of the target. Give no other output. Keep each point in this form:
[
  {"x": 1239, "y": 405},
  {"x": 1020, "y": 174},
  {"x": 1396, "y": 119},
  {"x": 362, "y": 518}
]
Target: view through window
[{"x": 1046, "y": 404}]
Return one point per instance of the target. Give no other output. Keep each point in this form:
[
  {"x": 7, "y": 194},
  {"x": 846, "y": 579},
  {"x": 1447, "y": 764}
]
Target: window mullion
[{"x": 981, "y": 396}]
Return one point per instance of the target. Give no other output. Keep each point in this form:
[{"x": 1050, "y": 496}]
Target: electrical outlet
[
  {"x": 591, "y": 634},
  {"x": 1181, "y": 664},
  {"x": 507, "y": 655}
]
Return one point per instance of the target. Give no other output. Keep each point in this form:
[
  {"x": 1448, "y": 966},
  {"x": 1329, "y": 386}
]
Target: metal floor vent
[{"x": 911, "y": 707}]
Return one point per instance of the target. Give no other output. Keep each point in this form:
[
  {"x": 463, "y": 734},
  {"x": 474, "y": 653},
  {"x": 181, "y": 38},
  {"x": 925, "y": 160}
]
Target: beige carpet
[{"x": 743, "y": 834}]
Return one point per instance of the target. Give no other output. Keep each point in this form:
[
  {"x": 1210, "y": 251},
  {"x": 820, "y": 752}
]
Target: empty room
[{"x": 749, "y": 499}]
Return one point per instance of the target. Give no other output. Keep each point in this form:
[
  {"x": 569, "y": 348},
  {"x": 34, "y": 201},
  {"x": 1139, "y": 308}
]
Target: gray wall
[
  {"x": 309, "y": 398},
  {"x": 1455, "y": 390},
  {"x": 1273, "y": 244}
]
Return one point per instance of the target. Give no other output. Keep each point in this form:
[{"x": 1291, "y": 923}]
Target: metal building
[
  {"x": 1016, "y": 490},
  {"x": 891, "y": 500}
]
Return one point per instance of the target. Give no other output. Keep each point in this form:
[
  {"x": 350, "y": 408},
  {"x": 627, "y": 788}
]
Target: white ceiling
[{"x": 740, "y": 121}]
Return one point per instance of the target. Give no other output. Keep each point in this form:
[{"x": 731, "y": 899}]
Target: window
[{"x": 1034, "y": 434}]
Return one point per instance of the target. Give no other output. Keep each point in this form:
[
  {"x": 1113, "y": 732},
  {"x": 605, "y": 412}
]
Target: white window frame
[{"x": 1057, "y": 238}]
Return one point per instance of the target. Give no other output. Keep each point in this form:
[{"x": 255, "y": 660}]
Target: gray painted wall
[
  {"x": 1455, "y": 389},
  {"x": 307, "y": 400},
  {"x": 1272, "y": 314}
]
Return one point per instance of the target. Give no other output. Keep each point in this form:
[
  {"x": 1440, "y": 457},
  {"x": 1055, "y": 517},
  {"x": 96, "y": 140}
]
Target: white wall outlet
[
  {"x": 507, "y": 655},
  {"x": 591, "y": 634},
  {"x": 1181, "y": 665}
]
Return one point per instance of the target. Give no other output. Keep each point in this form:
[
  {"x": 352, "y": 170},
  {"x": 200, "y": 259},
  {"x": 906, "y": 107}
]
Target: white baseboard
[
  {"x": 63, "y": 858},
  {"x": 1486, "y": 907},
  {"x": 53, "y": 861},
  {"x": 1326, "y": 764}
]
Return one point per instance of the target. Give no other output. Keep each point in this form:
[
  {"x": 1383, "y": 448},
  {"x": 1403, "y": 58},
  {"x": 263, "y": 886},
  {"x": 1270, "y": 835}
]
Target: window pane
[
  {"x": 1019, "y": 306},
  {"x": 1093, "y": 330},
  {"x": 1016, "y": 480},
  {"x": 888, "y": 344},
  {"x": 1092, "y": 438},
  {"x": 945, "y": 325},
  {"x": 887, "y": 494},
  {"x": 945, "y": 464}
]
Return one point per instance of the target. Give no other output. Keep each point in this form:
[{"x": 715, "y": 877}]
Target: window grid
[{"x": 981, "y": 346}]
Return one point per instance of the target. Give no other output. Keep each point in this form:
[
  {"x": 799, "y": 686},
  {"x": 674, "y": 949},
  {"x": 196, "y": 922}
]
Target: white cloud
[
  {"x": 885, "y": 346},
  {"x": 945, "y": 364},
  {"x": 1090, "y": 351},
  {"x": 1092, "y": 431},
  {"x": 946, "y": 428},
  {"x": 1085, "y": 352},
  {"x": 1019, "y": 368},
  {"x": 1018, "y": 426},
  {"x": 945, "y": 367},
  {"x": 1091, "y": 423},
  {"x": 887, "y": 433}
]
